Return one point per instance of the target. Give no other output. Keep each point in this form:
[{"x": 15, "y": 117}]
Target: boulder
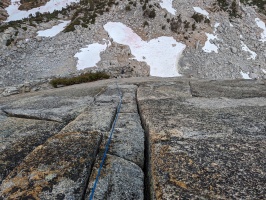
[{"x": 10, "y": 91}]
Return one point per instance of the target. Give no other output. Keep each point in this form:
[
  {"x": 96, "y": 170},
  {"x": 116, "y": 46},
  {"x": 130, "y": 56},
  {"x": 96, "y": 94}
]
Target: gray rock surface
[
  {"x": 202, "y": 140},
  {"x": 128, "y": 139},
  {"x": 120, "y": 179},
  {"x": 58, "y": 169},
  {"x": 18, "y": 137},
  {"x": 205, "y": 148},
  {"x": 54, "y": 105},
  {"x": 235, "y": 89},
  {"x": 97, "y": 116}
]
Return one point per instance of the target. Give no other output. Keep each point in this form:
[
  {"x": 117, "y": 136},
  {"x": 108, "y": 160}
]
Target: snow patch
[
  {"x": 261, "y": 24},
  {"x": 216, "y": 26},
  {"x": 245, "y": 75},
  {"x": 264, "y": 71},
  {"x": 168, "y": 5},
  {"x": 90, "y": 56},
  {"x": 245, "y": 48},
  {"x": 231, "y": 25},
  {"x": 161, "y": 54},
  {"x": 201, "y": 11},
  {"x": 16, "y": 14},
  {"x": 54, "y": 30},
  {"x": 209, "y": 47}
]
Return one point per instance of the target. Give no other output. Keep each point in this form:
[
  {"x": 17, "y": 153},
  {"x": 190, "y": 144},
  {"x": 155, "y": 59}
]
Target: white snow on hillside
[
  {"x": 261, "y": 24},
  {"x": 90, "y": 56},
  {"x": 161, "y": 54},
  {"x": 245, "y": 48},
  {"x": 168, "y": 5},
  {"x": 244, "y": 75},
  {"x": 201, "y": 11},
  {"x": 54, "y": 30},
  {"x": 209, "y": 47},
  {"x": 16, "y": 14}
]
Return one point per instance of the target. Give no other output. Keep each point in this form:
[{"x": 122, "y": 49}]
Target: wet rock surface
[{"x": 174, "y": 139}]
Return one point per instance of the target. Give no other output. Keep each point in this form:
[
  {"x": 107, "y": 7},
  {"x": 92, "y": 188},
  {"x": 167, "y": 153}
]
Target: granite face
[
  {"x": 99, "y": 115},
  {"x": 18, "y": 137},
  {"x": 58, "y": 169},
  {"x": 55, "y": 105},
  {"x": 56, "y": 159},
  {"x": 175, "y": 138},
  {"x": 235, "y": 89},
  {"x": 206, "y": 148},
  {"x": 128, "y": 139},
  {"x": 120, "y": 179},
  {"x": 122, "y": 176}
]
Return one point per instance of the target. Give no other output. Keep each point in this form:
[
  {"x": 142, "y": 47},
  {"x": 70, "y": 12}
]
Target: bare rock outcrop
[
  {"x": 209, "y": 143},
  {"x": 174, "y": 138}
]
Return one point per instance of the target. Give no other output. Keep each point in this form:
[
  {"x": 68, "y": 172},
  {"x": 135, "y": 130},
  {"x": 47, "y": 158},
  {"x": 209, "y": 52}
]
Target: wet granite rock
[
  {"x": 58, "y": 169},
  {"x": 205, "y": 148},
  {"x": 119, "y": 179}
]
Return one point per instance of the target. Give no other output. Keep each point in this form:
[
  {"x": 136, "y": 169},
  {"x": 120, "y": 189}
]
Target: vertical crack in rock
[
  {"x": 128, "y": 139},
  {"x": 122, "y": 175},
  {"x": 190, "y": 88},
  {"x": 86, "y": 188},
  {"x": 32, "y": 132},
  {"x": 146, "y": 169},
  {"x": 87, "y": 181},
  {"x": 85, "y": 191}
]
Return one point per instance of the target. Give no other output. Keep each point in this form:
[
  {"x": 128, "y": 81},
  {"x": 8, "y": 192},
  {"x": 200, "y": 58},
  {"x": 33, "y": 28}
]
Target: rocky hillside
[
  {"x": 173, "y": 139},
  {"x": 3, "y": 12},
  {"x": 214, "y": 39}
]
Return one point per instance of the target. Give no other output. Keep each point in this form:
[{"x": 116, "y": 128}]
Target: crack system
[{"x": 146, "y": 170}]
